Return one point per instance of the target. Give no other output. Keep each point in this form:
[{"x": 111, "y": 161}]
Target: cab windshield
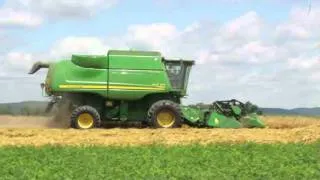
[{"x": 178, "y": 72}]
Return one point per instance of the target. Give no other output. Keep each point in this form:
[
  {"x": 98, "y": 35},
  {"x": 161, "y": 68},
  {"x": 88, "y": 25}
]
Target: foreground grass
[{"x": 215, "y": 161}]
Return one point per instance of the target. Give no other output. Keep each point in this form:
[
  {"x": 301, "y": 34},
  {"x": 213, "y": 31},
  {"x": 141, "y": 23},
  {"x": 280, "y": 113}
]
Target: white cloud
[
  {"x": 12, "y": 18},
  {"x": 256, "y": 52},
  {"x": 300, "y": 26},
  {"x": 290, "y": 31},
  {"x": 19, "y": 60},
  {"x": 311, "y": 63},
  {"x": 32, "y": 13},
  {"x": 247, "y": 26},
  {"x": 78, "y": 45},
  {"x": 62, "y": 8},
  {"x": 154, "y": 36}
]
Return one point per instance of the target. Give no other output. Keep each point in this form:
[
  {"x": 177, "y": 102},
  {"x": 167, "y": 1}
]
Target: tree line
[{"x": 8, "y": 109}]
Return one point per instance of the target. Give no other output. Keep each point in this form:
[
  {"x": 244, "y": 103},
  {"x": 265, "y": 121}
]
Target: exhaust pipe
[
  {"x": 54, "y": 100},
  {"x": 38, "y": 65},
  {"x": 49, "y": 107}
]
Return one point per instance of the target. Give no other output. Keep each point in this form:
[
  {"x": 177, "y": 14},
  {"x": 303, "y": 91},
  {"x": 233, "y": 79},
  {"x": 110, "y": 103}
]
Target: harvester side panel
[
  {"x": 74, "y": 78},
  {"x": 133, "y": 76}
]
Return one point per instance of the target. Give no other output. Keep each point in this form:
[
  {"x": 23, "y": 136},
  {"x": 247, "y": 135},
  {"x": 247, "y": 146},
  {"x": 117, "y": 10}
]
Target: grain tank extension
[{"x": 120, "y": 86}]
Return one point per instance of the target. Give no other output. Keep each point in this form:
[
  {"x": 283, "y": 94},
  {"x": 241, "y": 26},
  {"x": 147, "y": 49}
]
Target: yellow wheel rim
[
  {"x": 165, "y": 119},
  {"x": 85, "y": 120}
]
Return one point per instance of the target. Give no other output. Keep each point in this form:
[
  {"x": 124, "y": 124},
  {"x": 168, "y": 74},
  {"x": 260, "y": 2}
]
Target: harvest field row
[{"x": 281, "y": 129}]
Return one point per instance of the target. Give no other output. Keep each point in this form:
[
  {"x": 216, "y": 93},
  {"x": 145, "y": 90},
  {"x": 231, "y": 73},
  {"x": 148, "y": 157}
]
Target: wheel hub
[
  {"x": 165, "y": 119},
  {"x": 85, "y": 120}
]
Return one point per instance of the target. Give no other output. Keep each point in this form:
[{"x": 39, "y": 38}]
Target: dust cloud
[{"x": 32, "y": 122}]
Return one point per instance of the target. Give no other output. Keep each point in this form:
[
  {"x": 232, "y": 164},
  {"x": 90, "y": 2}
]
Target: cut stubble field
[{"x": 20, "y": 130}]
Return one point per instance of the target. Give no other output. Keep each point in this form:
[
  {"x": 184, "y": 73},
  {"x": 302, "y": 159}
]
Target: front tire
[
  {"x": 85, "y": 117},
  {"x": 165, "y": 114}
]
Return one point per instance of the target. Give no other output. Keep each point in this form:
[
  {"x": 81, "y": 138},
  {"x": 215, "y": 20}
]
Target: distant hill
[
  {"x": 23, "y": 108},
  {"x": 296, "y": 111}
]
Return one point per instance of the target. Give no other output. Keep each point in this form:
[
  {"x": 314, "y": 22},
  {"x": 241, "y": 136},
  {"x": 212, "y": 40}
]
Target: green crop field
[{"x": 214, "y": 161}]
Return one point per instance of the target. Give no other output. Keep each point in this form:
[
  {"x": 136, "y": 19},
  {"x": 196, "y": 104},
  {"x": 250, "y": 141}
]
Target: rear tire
[
  {"x": 165, "y": 114},
  {"x": 85, "y": 117}
]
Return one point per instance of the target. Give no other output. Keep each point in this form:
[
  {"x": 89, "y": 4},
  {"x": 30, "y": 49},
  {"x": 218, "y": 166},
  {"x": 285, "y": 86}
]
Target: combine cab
[{"x": 126, "y": 86}]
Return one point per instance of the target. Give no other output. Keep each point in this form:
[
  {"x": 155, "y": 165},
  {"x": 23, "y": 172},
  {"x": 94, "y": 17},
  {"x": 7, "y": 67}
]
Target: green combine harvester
[{"x": 131, "y": 86}]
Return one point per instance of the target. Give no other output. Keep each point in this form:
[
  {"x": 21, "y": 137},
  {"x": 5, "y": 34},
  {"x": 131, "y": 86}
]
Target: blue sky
[
  {"x": 263, "y": 51},
  {"x": 116, "y": 19}
]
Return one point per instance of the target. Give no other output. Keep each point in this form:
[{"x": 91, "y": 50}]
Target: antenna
[{"x": 309, "y": 6}]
